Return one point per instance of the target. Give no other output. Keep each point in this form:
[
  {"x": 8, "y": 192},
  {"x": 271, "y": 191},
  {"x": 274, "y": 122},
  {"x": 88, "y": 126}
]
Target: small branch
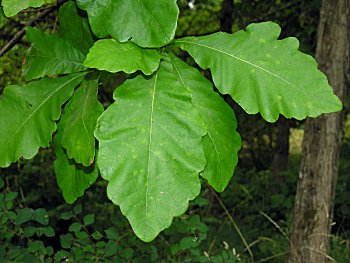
[
  {"x": 19, "y": 35},
  {"x": 233, "y": 223}
]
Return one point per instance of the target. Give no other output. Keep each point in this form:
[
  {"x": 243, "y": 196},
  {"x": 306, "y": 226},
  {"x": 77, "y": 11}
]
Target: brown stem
[{"x": 19, "y": 35}]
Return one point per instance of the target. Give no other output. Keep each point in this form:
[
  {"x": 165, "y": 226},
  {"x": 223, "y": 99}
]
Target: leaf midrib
[
  {"x": 150, "y": 144},
  {"x": 240, "y": 59},
  {"x": 59, "y": 59},
  {"x": 34, "y": 112},
  {"x": 83, "y": 113},
  {"x": 258, "y": 67},
  {"x": 155, "y": 20},
  {"x": 76, "y": 118}
]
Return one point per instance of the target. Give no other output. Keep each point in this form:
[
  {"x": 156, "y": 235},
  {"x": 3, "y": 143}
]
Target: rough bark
[{"x": 313, "y": 208}]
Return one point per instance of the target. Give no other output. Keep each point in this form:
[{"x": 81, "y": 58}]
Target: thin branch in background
[
  {"x": 233, "y": 223},
  {"x": 275, "y": 224},
  {"x": 272, "y": 257},
  {"x": 322, "y": 253},
  {"x": 278, "y": 227},
  {"x": 55, "y": 25},
  {"x": 36, "y": 10},
  {"x": 212, "y": 243},
  {"x": 19, "y": 35}
]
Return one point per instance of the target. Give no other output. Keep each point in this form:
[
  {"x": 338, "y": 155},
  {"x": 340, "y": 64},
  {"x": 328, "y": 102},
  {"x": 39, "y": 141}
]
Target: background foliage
[{"x": 36, "y": 224}]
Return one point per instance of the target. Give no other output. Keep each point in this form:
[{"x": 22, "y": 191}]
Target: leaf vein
[{"x": 33, "y": 113}]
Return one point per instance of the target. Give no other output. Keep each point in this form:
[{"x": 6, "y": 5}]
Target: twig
[
  {"x": 322, "y": 253},
  {"x": 275, "y": 224},
  {"x": 19, "y": 35},
  {"x": 233, "y": 223},
  {"x": 272, "y": 257},
  {"x": 214, "y": 240}
]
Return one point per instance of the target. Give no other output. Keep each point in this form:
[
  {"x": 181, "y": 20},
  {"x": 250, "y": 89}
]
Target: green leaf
[
  {"x": 222, "y": 143},
  {"x": 112, "y": 233},
  {"x": 150, "y": 150},
  {"x": 147, "y": 23},
  {"x": 72, "y": 179},
  {"x": 13, "y": 7},
  {"x": 66, "y": 240},
  {"x": 113, "y": 56},
  {"x": 36, "y": 246},
  {"x": 100, "y": 244},
  {"x": 10, "y": 196},
  {"x": 29, "y": 231},
  {"x": 89, "y": 219},
  {"x": 75, "y": 227},
  {"x": 48, "y": 231},
  {"x": 188, "y": 242},
  {"x": 66, "y": 215},
  {"x": 74, "y": 28},
  {"x": 263, "y": 74},
  {"x": 62, "y": 255},
  {"x": 40, "y": 215},
  {"x": 50, "y": 55},
  {"x": 111, "y": 249},
  {"x": 97, "y": 235},
  {"x": 78, "y": 209},
  {"x": 28, "y": 114},
  {"x": 24, "y": 215},
  {"x": 78, "y": 123},
  {"x": 81, "y": 235}
]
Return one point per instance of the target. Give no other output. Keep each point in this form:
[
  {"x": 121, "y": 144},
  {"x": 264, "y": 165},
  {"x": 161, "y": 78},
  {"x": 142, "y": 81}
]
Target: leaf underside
[
  {"x": 147, "y": 23},
  {"x": 263, "y": 74},
  {"x": 150, "y": 150},
  {"x": 113, "y": 56},
  {"x": 28, "y": 115}
]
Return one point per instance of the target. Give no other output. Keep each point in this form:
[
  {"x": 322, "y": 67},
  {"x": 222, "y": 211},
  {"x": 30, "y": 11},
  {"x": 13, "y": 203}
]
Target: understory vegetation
[{"x": 254, "y": 212}]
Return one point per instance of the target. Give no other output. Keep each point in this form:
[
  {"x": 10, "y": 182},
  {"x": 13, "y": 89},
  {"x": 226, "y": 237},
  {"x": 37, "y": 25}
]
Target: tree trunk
[{"x": 313, "y": 208}]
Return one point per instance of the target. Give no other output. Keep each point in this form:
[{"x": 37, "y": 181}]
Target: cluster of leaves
[
  {"x": 20, "y": 226},
  {"x": 167, "y": 125},
  {"x": 27, "y": 236}
]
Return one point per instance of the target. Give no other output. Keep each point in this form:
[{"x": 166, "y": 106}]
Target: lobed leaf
[
  {"x": 78, "y": 123},
  {"x": 28, "y": 114},
  {"x": 50, "y": 55},
  {"x": 75, "y": 28},
  {"x": 13, "y": 7},
  {"x": 113, "y": 56},
  {"x": 222, "y": 142},
  {"x": 147, "y": 23},
  {"x": 72, "y": 179},
  {"x": 150, "y": 150},
  {"x": 263, "y": 74}
]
